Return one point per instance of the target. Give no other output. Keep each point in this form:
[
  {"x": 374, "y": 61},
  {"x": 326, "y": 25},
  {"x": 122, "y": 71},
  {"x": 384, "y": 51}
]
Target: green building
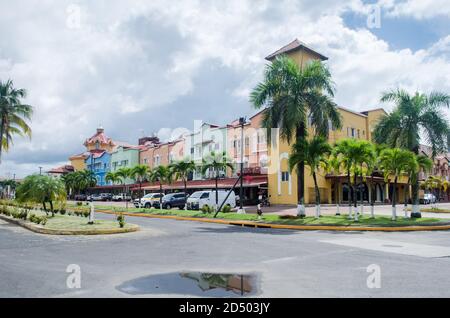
[{"x": 125, "y": 157}]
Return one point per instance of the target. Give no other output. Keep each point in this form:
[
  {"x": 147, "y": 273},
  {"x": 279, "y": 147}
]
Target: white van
[{"x": 199, "y": 199}]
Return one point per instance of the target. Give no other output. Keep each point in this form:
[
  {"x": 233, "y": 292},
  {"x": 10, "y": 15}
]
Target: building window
[
  {"x": 145, "y": 160},
  {"x": 284, "y": 176},
  {"x": 192, "y": 150}
]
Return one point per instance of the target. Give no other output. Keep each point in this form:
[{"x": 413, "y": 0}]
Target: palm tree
[
  {"x": 162, "y": 174},
  {"x": 292, "y": 94},
  {"x": 112, "y": 177},
  {"x": 413, "y": 114},
  {"x": 356, "y": 156},
  {"x": 42, "y": 189},
  {"x": 140, "y": 173},
  {"x": 412, "y": 168},
  {"x": 13, "y": 114},
  {"x": 313, "y": 154},
  {"x": 124, "y": 173},
  {"x": 215, "y": 163},
  {"x": 334, "y": 165},
  {"x": 85, "y": 179},
  {"x": 182, "y": 169},
  {"x": 394, "y": 162}
]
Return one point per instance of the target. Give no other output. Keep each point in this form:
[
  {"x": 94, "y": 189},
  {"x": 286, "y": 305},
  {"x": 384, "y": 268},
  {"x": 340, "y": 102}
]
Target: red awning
[{"x": 249, "y": 181}]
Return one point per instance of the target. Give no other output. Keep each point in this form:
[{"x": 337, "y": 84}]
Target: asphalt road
[{"x": 283, "y": 263}]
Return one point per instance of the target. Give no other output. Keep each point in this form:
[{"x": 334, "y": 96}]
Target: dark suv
[{"x": 172, "y": 200}]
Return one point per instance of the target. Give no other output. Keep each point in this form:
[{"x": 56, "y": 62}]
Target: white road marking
[
  {"x": 396, "y": 247},
  {"x": 283, "y": 259}
]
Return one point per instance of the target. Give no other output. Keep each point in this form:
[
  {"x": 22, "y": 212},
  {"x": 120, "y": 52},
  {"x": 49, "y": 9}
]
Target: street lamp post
[
  {"x": 241, "y": 190},
  {"x": 40, "y": 170}
]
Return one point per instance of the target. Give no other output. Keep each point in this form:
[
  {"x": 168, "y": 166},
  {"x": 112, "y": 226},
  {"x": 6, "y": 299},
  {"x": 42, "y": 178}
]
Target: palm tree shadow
[{"x": 245, "y": 229}]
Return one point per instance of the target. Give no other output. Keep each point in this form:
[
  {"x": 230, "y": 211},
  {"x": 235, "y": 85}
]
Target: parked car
[
  {"x": 172, "y": 200},
  {"x": 80, "y": 197},
  {"x": 121, "y": 197},
  {"x": 199, "y": 199},
  {"x": 95, "y": 197},
  {"x": 148, "y": 200},
  {"x": 428, "y": 198},
  {"x": 106, "y": 196}
]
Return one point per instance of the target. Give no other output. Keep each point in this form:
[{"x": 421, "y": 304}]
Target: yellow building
[{"x": 283, "y": 184}]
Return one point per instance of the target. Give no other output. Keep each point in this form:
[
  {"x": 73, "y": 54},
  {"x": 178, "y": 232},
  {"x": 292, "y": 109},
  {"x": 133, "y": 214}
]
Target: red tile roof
[
  {"x": 62, "y": 169},
  {"x": 99, "y": 136},
  {"x": 293, "y": 46}
]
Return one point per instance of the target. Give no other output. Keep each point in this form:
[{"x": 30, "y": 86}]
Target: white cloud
[{"x": 128, "y": 61}]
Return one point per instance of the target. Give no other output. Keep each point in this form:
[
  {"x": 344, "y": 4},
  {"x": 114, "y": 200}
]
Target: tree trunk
[
  {"x": 45, "y": 207},
  {"x": 160, "y": 198},
  {"x": 185, "y": 193},
  {"x": 350, "y": 194},
  {"x": 405, "y": 204},
  {"x": 140, "y": 193},
  {"x": 217, "y": 193},
  {"x": 300, "y": 135},
  {"x": 394, "y": 200},
  {"x": 355, "y": 198},
  {"x": 2, "y": 132},
  {"x": 338, "y": 198},
  {"x": 372, "y": 198},
  {"x": 415, "y": 192},
  {"x": 51, "y": 208},
  {"x": 317, "y": 195}
]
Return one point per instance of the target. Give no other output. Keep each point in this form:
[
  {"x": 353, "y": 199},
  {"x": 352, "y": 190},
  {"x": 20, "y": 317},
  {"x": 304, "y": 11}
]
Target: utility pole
[
  {"x": 241, "y": 190},
  {"x": 40, "y": 170}
]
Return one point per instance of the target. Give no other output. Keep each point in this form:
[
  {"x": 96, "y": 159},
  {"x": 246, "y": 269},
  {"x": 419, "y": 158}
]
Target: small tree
[
  {"x": 161, "y": 174},
  {"x": 215, "y": 163},
  {"x": 394, "y": 162},
  {"x": 313, "y": 154},
  {"x": 42, "y": 189},
  {"x": 140, "y": 173},
  {"x": 182, "y": 169}
]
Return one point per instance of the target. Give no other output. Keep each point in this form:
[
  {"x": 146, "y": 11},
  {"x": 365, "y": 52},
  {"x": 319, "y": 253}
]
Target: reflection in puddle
[{"x": 193, "y": 283}]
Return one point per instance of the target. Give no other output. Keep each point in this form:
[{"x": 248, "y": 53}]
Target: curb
[
  {"x": 292, "y": 227},
  {"x": 42, "y": 230}
]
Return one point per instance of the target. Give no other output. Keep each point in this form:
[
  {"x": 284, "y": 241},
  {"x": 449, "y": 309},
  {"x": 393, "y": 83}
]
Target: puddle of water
[{"x": 194, "y": 284}]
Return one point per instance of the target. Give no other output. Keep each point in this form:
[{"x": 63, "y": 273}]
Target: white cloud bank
[{"x": 136, "y": 58}]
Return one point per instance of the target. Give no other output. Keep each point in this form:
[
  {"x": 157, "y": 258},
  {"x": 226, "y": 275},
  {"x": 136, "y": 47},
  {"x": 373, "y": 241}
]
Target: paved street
[{"x": 283, "y": 263}]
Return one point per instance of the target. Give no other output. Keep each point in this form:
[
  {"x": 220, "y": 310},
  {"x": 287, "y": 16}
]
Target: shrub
[
  {"x": 226, "y": 208},
  {"x": 206, "y": 209},
  {"x": 62, "y": 211},
  {"x": 86, "y": 213},
  {"x": 23, "y": 214},
  {"x": 121, "y": 220},
  {"x": 79, "y": 203},
  {"x": 43, "y": 220}
]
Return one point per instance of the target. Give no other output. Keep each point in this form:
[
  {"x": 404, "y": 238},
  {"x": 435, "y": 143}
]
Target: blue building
[{"x": 99, "y": 161}]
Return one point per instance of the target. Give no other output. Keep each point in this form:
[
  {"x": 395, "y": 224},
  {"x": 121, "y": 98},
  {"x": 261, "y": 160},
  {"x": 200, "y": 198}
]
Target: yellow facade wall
[{"x": 78, "y": 163}]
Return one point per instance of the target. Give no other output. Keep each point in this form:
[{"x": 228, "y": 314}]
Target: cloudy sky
[{"x": 138, "y": 67}]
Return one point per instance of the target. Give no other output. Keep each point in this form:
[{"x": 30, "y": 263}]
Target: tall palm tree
[
  {"x": 161, "y": 174},
  {"x": 182, "y": 169},
  {"x": 394, "y": 162},
  {"x": 292, "y": 94},
  {"x": 214, "y": 163},
  {"x": 140, "y": 173},
  {"x": 312, "y": 153},
  {"x": 13, "y": 114},
  {"x": 413, "y": 116}
]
